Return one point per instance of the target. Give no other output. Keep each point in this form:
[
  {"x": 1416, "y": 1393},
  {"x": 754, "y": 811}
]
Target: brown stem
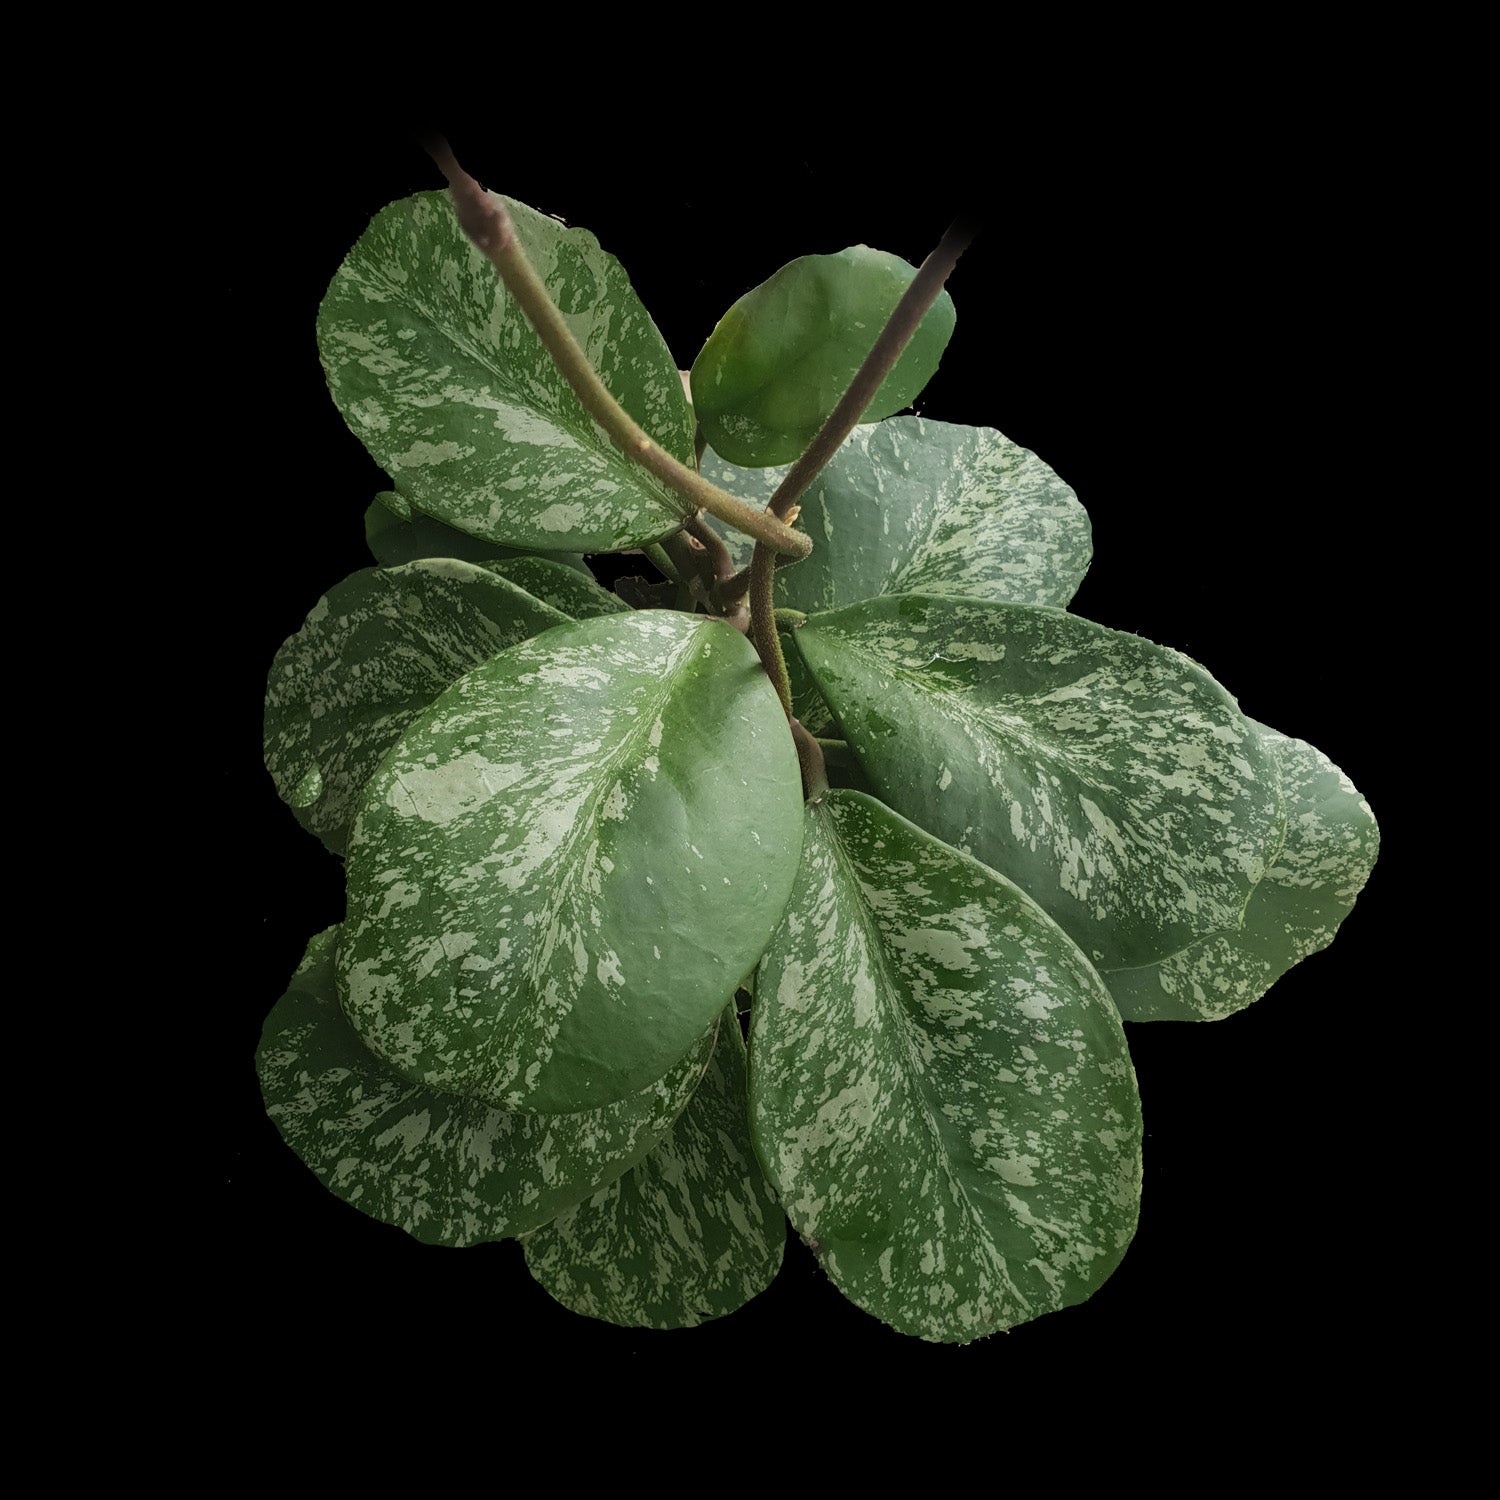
[{"x": 810, "y": 759}]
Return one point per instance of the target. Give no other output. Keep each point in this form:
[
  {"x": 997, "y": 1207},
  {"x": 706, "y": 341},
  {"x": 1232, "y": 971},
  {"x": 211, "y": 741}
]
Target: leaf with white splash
[
  {"x": 437, "y": 371},
  {"x": 940, "y": 1089},
  {"x": 779, "y": 360},
  {"x": 1310, "y": 887},
  {"x": 561, "y": 872},
  {"x": 372, "y": 654},
  {"x": 910, "y": 506},
  {"x": 447, "y": 1170},
  {"x": 575, "y": 594},
  {"x": 396, "y": 534},
  {"x": 1112, "y": 779},
  {"x": 691, "y": 1233}
]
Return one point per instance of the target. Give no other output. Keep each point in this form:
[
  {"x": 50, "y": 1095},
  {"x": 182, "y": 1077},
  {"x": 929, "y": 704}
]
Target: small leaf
[
  {"x": 691, "y": 1233},
  {"x": 447, "y": 1170},
  {"x": 561, "y": 872},
  {"x": 939, "y": 1085},
  {"x": 910, "y": 506},
  {"x": 783, "y": 355},
  {"x": 1326, "y": 858},
  {"x": 373, "y": 653},
  {"x": 575, "y": 594},
  {"x": 436, "y": 370},
  {"x": 396, "y": 534},
  {"x": 1112, "y": 779}
]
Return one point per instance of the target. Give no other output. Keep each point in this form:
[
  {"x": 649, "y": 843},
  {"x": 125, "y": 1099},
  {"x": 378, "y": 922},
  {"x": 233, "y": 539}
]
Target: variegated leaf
[
  {"x": 1112, "y": 779},
  {"x": 691, "y": 1233},
  {"x": 575, "y": 594},
  {"x": 940, "y": 1088},
  {"x": 396, "y": 534},
  {"x": 373, "y": 653},
  {"x": 781, "y": 357},
  {"x": 559, "y": 875},
  {"x": 1326, "y": 858},
  {"x": 910, "y": 506},
  {"x": 448, "y": 1170},
  {"x": 437, "y": 371}
]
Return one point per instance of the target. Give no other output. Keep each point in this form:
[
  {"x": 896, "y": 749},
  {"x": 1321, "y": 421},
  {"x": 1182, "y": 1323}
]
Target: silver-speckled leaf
[
  {"x": 559, "y": 875},
  {"x": 691, "y": 1233},
  {"x": 909, "y": 506},
  {"x": 374, "y": 652},
  {"x": 449, "y": 1171},
  {"x": 395, "y": 534},
  {"x": 439, "y": 374},
  {"x": 939, "y": 1085},
  {"x": 1112, "y": 779},
  {"x": 781, "y": 357},
  {"x": 575, "y": 594},
  {"x": 1323, "y": 864}
]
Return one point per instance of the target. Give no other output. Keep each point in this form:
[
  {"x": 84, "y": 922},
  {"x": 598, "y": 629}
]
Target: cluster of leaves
[{"x": 579, "y": 852}]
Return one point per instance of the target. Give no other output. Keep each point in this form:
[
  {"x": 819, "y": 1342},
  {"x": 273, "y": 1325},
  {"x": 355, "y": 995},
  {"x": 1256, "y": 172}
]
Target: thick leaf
[
  {"x": 449, "y": 1171},
  {"x": 1112, "y": 779},
  {"x": 940, "y": 1088},
  {"x": 575, "y": 594},
  {"x": 395, "y": 534},
  {"x": 374, "y": 652},
  {"x": 439, "y": 374},
  {"x": 690, "y": 1234},
  {"x": 562, "y": 871},
  {"x": 910, "y": 506},
  {"x": 783, "y": 355},
  {"x": 1326, "y": 858}
]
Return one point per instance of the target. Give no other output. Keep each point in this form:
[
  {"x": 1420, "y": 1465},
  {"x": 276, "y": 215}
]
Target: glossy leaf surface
[
  {"x": 448, "y": 1170},
  {"x": 940, "y": 1088},
  {"x": 372, "y": 654},
  {"x": 1324, "y": 861},
  {"x": 781, "y": 357},
  {"x": 560, "y": 874},
  {"x": 1112, "y": 779},
  {"x": 574, "y": 593},
  {"x": 436, "y": 370},
  {"x": 396, "y": 534},
  {"x": 691, "y": 1233}
]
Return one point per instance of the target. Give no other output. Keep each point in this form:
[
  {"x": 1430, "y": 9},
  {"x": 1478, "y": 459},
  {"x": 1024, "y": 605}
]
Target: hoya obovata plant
[{"x": 588, "y": 851}]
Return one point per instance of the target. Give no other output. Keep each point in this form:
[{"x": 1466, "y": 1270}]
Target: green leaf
[
  {"x": 576, "y": 595},
  {"x": 373, "y": 653},
  {"x": 449, "y": 1171},
  {"x": 692, "y": 1233},
  {"x": 939, "y": 1084},
  {"x": 1112, "y": 779},
  {"x": 564, "y": 868},
  {"x": 395, "y": 534},
  {"x": 783, "y": 355},
  {"x": 910, "y": 506},
  {"x": 436, "y": 370},
  {"x": 1329, "y": 850}
]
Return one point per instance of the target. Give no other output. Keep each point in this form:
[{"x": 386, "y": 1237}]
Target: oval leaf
[
  {"x": 436, "y": 370},
  {"x": 1329, "y": 850},
  {"x": 447, "y": 1170},
  {"x": 396, "y": 534},
  {"x": 373, "y": 653},
  {"x": 561, "y": 872},
  {"x": 1112, "y": 779},
  {"x": 575, "y": 594},
  {"x": 910, "y": 506},
  {"x": 692, "y": 1233},
  {"x": 940, "y": 1089},
  {"x": 783, "y": 355}
]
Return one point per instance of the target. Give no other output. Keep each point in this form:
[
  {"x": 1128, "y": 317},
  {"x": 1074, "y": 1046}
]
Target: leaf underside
[
  {"x": 941, "y": 1092},
  {"x": 447, "y": 1170},
  {"x": 691, "y": 1233},
  {"x": 396, "y": 534},
  {"x": 561, "y": 872}
]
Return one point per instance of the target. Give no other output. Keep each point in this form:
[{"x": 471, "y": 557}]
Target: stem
[
  {"x": 713, "y": 543},
  {"x": 810, "y": 759},
  {"x": 485, "y": 221},
  {"x": 836, "y": 752},
  {"x": 658, "y": 555}
]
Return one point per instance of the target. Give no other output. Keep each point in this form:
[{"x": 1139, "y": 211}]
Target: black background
[{"x": 1172, "y": 329}]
